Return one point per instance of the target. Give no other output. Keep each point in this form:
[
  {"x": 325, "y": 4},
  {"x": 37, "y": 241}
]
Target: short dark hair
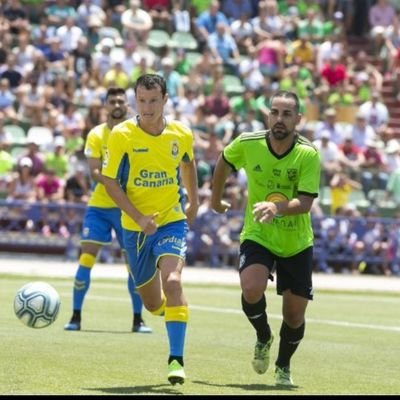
[
  {"x": 288, "y": 95},
  {"x": 114, "y": 91},
  {"x": 150, "y": 81}
]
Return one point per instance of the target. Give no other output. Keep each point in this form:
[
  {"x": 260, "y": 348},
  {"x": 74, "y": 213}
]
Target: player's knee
[
  {"x": 290, "y": 334},
  {"x": 293, "y": 319},
  {"x": 155, "y": 308},
  {"x": 87, "y": 260},
  {"x": 252, "y": 292},
  {"x": 172, "y": 284}
]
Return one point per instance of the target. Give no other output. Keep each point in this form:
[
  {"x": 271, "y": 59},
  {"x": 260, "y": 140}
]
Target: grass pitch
[{"x": 351, "y": 345}]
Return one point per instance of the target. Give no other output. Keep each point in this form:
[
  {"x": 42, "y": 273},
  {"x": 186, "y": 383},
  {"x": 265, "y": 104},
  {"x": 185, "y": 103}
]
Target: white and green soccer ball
[{"x": 37, "y": 304}]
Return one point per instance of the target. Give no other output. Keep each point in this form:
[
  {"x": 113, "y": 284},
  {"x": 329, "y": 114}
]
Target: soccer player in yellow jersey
[
  {"x": 102, "y": 215},
  {"x": 155, "y": 210}
]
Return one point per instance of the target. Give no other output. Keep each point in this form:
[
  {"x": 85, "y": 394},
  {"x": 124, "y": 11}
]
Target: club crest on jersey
[
  {"x": 174, "y": 149},
  {"x": 292, "y": 174}
]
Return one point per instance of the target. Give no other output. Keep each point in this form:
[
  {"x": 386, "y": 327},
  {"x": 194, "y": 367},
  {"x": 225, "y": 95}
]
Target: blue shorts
[
  {"x": 98, "y": 224},
  {"x": 143, "y": 251}
]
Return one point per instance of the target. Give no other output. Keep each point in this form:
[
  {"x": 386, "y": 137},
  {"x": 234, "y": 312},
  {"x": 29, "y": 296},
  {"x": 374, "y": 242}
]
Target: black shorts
[{"x": 294, "y": 273}]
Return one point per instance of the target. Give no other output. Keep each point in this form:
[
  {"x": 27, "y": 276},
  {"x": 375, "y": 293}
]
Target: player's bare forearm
[
  {"x": 95, "y": 169},
  {"x": 189, "y": 178},
  {"x": 265, "y": 211},
  {"x": 221, "y": 172}
]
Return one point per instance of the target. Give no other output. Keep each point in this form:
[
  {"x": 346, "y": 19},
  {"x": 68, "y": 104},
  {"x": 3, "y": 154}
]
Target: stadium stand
[{"x": 42, "y": 78}]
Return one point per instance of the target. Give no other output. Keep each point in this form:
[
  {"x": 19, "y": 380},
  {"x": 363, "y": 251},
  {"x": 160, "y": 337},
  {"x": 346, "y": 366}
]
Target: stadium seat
[
  {"x": 388, "y": 209},
  {"x": 324, "y": 199},
  {"x": 158, "y": 39},
  {"x": 376, "y": 196},
  {"x": 42, "y": 136},
  {"x": 356, "y": 195},
  {"x": 15, "y": 135},
  {"x": 18, "y": 151},
  {"x": 193, "y": 57},
  {"x": 183, "y": 40},
  {"x": 110, "y": 32},
  {"x": 232, "y": 85}
]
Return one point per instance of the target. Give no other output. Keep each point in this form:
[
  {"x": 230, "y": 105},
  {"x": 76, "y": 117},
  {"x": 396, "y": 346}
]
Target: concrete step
[
  {"x": 394, "y": 122},
  {"x": 392, "y": 103}
]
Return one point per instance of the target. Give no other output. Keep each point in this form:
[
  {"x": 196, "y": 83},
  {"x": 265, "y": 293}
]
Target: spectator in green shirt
[{"x": 57, "y": 160}]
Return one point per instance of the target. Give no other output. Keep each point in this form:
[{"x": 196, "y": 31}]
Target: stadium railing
[{"x": 22, "y": 230}]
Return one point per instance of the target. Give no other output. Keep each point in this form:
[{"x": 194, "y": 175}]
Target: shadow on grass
[
  {"x": 105, "y": 331},
  {"x": 146, "y": 389},
  {"x": 251, "y": 386}
]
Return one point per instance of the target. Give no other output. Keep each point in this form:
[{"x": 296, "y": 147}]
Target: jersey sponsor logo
[
  {"x": 285, "y": 224},
  {"x": 176, "y": 242},
  {"x": 85, "y": 231},
  {"x": 153, "y": 179},
  {"x": 276, "y": 197},
  {"x": 292, "y": 174},
  {"x": 257, "y": 168},
  {"x": 141, "y": 150},
  {"x": 88, "y": 152}
]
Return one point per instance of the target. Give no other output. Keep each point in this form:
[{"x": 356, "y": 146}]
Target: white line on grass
[
  {"x": 316, "y": 321},
  {"x": 274, "y": 316}
]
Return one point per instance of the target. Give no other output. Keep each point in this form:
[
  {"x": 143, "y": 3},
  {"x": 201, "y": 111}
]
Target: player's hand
[
  {"x": 264, "y": 211},
  {"x": 221, "y": 207},
  {"x": 148, "y": 224},
  {"x": 191, "y": 212}
]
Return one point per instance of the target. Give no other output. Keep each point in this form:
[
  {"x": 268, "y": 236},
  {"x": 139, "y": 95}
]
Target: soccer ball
[{"x": 36, "y": 304}]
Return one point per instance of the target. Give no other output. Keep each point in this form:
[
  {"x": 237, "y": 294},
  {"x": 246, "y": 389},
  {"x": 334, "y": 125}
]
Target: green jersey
[{"x": 272, "y": 177}]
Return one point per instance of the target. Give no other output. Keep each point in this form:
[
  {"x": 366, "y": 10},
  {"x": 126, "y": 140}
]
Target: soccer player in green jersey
[
  {"x": 158, "y": 155},
  {"x": 283, "y": 173}
]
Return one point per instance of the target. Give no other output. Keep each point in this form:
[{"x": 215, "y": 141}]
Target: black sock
[
  {"x": 290, "y": 339},
  {"x": 76, "y": 316},
  {"x": 177, "y": 358},
  {"x": 137, "y": 319},
  {"x": 257, "y": 316}
]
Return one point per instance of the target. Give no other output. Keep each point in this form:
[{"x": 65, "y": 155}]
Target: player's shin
[
  {"x": 176, "y": 321},
  {"x": 257, "y": 316},
  {"x": 289, "y": 341}
]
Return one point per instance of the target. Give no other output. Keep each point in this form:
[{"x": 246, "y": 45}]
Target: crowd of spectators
[{"x": 58, "y": 57}]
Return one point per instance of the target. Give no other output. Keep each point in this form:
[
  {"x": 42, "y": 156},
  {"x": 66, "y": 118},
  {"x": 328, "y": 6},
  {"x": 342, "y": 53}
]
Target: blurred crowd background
[{"x": 222, "y": 60}]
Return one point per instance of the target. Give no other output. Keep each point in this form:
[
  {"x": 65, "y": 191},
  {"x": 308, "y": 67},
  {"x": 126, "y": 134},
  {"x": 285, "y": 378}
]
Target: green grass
[{"x": 351, "y": 345}]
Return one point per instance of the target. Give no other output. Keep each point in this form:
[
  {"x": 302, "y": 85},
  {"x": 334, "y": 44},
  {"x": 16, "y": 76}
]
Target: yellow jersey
[
  {"x": 95, "y": 147},
  {"x": 147, "y": 168}
]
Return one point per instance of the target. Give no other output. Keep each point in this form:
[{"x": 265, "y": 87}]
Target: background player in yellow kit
[{"x": 102, "y": 215}]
